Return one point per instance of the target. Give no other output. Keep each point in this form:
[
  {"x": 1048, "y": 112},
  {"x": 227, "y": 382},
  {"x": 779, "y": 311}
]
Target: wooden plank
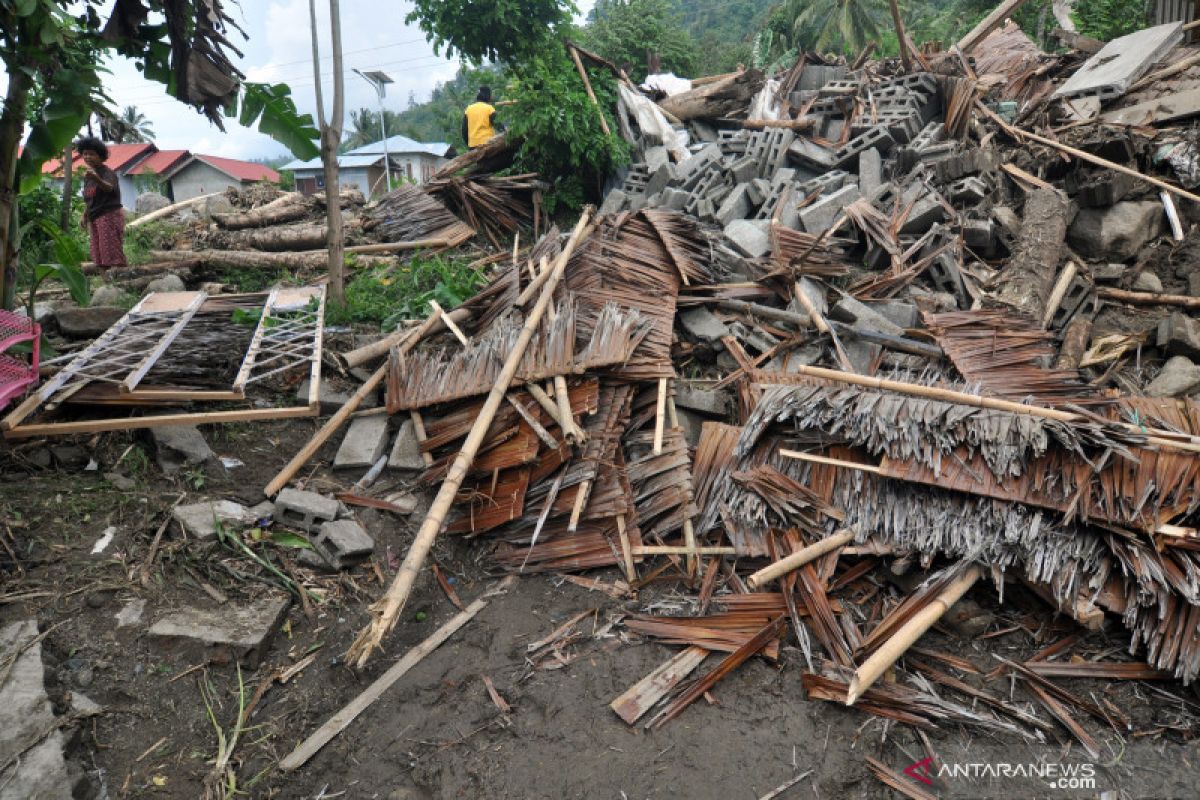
[
  {"x": 165, "y": 420},
  {"x": 635, "y": 701},
  {"x": 135, "y": 376}
]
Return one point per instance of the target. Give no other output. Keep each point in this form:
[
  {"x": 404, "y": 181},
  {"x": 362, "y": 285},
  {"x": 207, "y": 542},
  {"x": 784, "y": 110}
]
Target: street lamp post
[{"x": 379, "y": 81}]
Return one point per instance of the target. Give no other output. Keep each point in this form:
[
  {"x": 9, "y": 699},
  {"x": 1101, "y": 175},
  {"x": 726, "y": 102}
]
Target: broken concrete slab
[
  {"x": 34, "y": 765},
  {"x": 331, "y": 398},
  {"x": 1179, "y": 334},
  {"x": 201, "y": 519},
  {"x": 87, "y": 323},
  {"x": 1179, "y": 377},
  {"x": 297, "y": 508},
  {"x": 363, "y": 444},
  {"x": 704, "y": 401},
  {"x": 1122, "y": 61},
  {"x": 1115, "y": 233},
  {"x": 179, "y": 446},
  {"x": 703, "y": 325},
  {"x": 862, "y": 317},
  {"x": 870, "y": 171},
  {"x": 749, "y": 237},
  {"x": 239, "y": 632},
  {"x": 406, "y": 451},
  {"x": 820, "y": 216},
  {"x": 343, "y": 543}
]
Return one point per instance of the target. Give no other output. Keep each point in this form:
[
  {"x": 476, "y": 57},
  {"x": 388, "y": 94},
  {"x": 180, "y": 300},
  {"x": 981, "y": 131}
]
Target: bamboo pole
[
  {"x": 449, "y": 323},
  {"x": 1020, "y": 133},
  {"x": 798, "y": 124},
  {"x": 1148, "y": 298},
  {"x": 870, "y": 670},
  {"x": 818, "y": 320},
  {"x": 833, "y": 462},
  {"x": 370, "y": 352},
  {"x": 798, "y": 559},
  {"x": 1154, "y": 436},
  {"x": 676, "y": 550},
  {"x": 1059, "y": 292},
  {"x": 309, "y": 450},
  {"x": 169, "y": 210},
  {"x": 387, "y": 611},
  {"x": 588, "y": 85},
  {"x": 660, "y": 416},
  {"x": 543, "y": 400},
  {"x": 572, "y": 430}
]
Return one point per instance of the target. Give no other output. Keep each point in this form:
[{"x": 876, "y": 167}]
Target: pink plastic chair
[{"x": 17, "y": 375}]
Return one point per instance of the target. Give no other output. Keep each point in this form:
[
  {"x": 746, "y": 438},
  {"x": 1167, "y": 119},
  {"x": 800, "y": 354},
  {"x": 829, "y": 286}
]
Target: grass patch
[
  {"x": 141, "y": 240},
  {"x": 387, "y": 295},
  {"x": 258, "y": 280}
]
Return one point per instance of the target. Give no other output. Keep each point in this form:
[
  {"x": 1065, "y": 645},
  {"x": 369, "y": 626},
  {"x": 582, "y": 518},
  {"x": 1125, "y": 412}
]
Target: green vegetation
[
  {"x": 387, "y": 295},
  {"x": 49, "y": 252},
  {"x": 1109, "y": 19},
  {"x": 641, "y": 36},
  {"x": 141, "y": 240},
  {"x": 503, "y": 31}
]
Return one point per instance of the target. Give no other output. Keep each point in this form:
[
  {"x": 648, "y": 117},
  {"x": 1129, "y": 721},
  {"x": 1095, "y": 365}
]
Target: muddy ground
[{"x": 437, "y": 733}]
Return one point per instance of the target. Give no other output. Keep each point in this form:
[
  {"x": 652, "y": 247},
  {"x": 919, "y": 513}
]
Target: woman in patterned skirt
[{"x": 104, "y": 217}]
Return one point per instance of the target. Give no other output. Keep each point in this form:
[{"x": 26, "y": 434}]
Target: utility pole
[
  {"x": 379, "y": 81},
  {"x": 331, "y": 137}
]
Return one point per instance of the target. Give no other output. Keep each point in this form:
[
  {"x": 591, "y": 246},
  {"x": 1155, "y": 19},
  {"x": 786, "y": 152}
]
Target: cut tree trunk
[
  {"x": 720, "y": 99},
  {"x": 253, "y": 259},
  {"x": 280, "y": 238},
  {"x": 1026, "y": 280},
  {"x": 288, "y": 208},
  {"x": 498, "y": 145}
]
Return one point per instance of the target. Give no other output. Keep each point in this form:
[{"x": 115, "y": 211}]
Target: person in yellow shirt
[{"x": 478, "y": 124}]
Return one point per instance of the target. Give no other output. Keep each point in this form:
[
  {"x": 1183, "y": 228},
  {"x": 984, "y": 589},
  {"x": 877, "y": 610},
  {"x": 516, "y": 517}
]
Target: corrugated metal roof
[
  {"x": 398, "y": 145},
  {"x": 347, "y": 161}
]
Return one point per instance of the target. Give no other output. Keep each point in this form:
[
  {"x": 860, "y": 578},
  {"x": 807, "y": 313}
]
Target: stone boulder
[
  {"x": 167, "y": 283},
  {"x": 1118, "y": 232},
  {"x": 1178, "y": 377},
  {"x": 87, "y": 323},
  {"x": 149, "y": 201}
]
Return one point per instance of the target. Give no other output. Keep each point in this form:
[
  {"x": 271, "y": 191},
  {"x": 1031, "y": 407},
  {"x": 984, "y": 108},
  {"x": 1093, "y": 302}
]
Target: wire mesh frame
[{"x": 289, "y": 334}]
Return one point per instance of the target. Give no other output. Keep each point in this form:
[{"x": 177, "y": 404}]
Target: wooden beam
[
  {"x": 989, "y": 24},
  {"x": 588, "y": 86},
  {"x": 165, "y": 420}
]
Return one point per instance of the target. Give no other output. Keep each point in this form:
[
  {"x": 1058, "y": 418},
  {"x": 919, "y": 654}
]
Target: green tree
[
  {"x": 493, "y": 30},
  {"x": 841, "y": 25},
  {"x": 1109, "y": 19},
  {"x": 136, "y": 127},
  {"x": 641, "y": 36},
  {"x": 52, "y": 53}
]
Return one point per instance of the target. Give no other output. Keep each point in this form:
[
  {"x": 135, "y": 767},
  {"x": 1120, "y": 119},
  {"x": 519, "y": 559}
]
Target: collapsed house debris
[{"x": 831, "y": 327}]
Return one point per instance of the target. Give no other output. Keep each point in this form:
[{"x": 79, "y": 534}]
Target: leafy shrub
[
  {"x": 141, "y": 240},
  {"x": 1108, "y": 19},
  {"x": 386, "y": 295}
]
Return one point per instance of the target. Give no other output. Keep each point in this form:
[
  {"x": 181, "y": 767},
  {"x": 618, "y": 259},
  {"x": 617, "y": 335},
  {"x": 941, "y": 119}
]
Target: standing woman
[{"x": 104, "y": 217}]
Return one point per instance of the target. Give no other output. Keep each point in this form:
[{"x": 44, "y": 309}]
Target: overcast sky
[{"x": 374, "y": 37}]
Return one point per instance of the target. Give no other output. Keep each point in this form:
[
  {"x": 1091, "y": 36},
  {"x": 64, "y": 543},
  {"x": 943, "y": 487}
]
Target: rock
[
  {"x": 87, "y": 323},
  {"x": 1179, "y": 334},
  {"x": 862, "y": 317},
  {"x": 69, "y": 456},
  {"x": 332, "y": 399},
  {"x": 1108, "y": 273},
  {"x": 691, "y": 423},
  {"x": 179, "y": 446},
  {"x": 217, "y": 204},
  {"x": 296, "y": 508},
  {"x": 703, "y": 400},
  {"x": 343, "y": 543},
  {"x": 1194, "y": 284},
  {"x": 703, "y": 325},
  {"x": 41, "y": 458},
  {"x": 147, "y": 202},
  {"x": 406, "y": 452},
  {"x": 109, "y": 296},
  {"x": 968, "y": 619},
  {"x": 201, "y": 519},
  {"x": 264, "y": 510},
  {"x": 167, "y": 283},
  {"x": 749, "y": 237},
  {"x": 1148, "y": 282},
  {"x": 84, "y": 706},
  {"x": 235, "y": 631},
  {"x": 363, "y": 444},
  {"x": 26, "y": 715},
  {"x": 119, "y": 481},
  {"x": 1178, "y": 377},
  {"x": 1117, "y": 232},
  {"x": 131, "y": 613}
]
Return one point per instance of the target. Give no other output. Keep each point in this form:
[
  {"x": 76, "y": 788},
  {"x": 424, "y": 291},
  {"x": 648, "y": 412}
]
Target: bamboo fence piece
[
  {"x": 335, "y": 422},
  {"x": 870, "y": 670},
  {"x": 387, "y": 611},
  {"x": 798, "y": 559}
]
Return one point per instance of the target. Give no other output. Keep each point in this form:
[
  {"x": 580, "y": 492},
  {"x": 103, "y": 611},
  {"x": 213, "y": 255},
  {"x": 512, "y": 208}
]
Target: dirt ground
[{"x": 436, "y": 733}]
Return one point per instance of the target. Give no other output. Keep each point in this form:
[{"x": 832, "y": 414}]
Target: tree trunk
[
  {"x": 64, "y": 221},
  {"x": 254, "y": 259},
  {"x": 288, "y": 208},
  {"x": 331, "y": 137},
  {"x": 280, "y": 238},
  {"x": 12, "y": 123},
  {"x": 720, "y": 99}
]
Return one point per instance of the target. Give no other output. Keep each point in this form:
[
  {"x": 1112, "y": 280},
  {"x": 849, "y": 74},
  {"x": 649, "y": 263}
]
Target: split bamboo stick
[
  {"x": 1059, "y": 292},
  {"x": 449, "y": 323},
  {"x": 870, "y": 670},
  {"x": 387, "y": 611},
  {"x": 563, "y": 396},
  {"x": 419, "y": 429},
  {"x": 309, "y": 450},
  {"x": 798, "y": 559},
  {"x": 547, "y": 404},
  {"x": 626, "y": 550},
  {"x": 660, "y": 416},
  {"x": 1149, "y": 298}
]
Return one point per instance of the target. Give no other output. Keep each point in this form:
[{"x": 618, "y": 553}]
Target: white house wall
[{"x": 198, "y": 178}]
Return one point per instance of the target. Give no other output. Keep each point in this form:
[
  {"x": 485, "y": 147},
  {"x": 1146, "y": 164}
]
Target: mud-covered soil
[{"x": 437, "y": 733}]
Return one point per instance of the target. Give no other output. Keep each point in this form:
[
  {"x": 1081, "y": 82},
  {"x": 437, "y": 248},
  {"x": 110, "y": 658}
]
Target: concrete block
[
  {"x": 698, "y": 162},
  {"x": 703, "y": 325},
  {"x": 364, "y": 443},
  {"x": 805, "y": 151},
  {"x": 343, "y": 543},
  {"x": 862, "y": 317},
  {"x": 980, "y": 235},
  {"x": 614, "y": 201},
  {"x": 870, "y": 170},
  {"x": 239, "y": 632},
  {"x": 675, "y": 199},
  {"x": 406, "y": 451},
  {"x": 179, "y": 446},
  {"x": 297, "y": 508},
  {"x": 660, "y": 179},
  {"x": 655, "y": 157},
  {"x": 1179, "y": 335},
  {"x": 201, "y": 519},
  {"x": 820, "y": 216},
  {"x": 862, "y": 354},
  {"x": 927, "y": 209},
  {"x": 1110, "y": 72},
  {"x": 758, "y": 190},
  {"x": 906, "y": 315},
  {"x": 735, "y": 206},
  {"x": 744, "y": 169},
  {"x": 968, "y": 190},
  {"x": 1118, "y": 233},
  {"x": 749, "y": 237},
  {"x": 878, "y": 138},
  {"x": 828, "y": 183},
  {"x": 704, "y": 401},
  {"x": 331, "y": 398}
]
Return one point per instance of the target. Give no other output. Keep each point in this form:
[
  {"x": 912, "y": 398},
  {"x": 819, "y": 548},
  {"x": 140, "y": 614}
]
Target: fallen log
[
  {"x": 720, "y": 99},
  {"x": 1026, "y": 280},
  {"x": 309, "y": 260},
  {"x": 1148, "y": 298},
  {"x": 280, "y": 238},
  {"x": 286, "y": 208},
  {"x": 119, "y": 274},
  {"x": 496, "y": 146},
  {"x": 392, "y": 603}
]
